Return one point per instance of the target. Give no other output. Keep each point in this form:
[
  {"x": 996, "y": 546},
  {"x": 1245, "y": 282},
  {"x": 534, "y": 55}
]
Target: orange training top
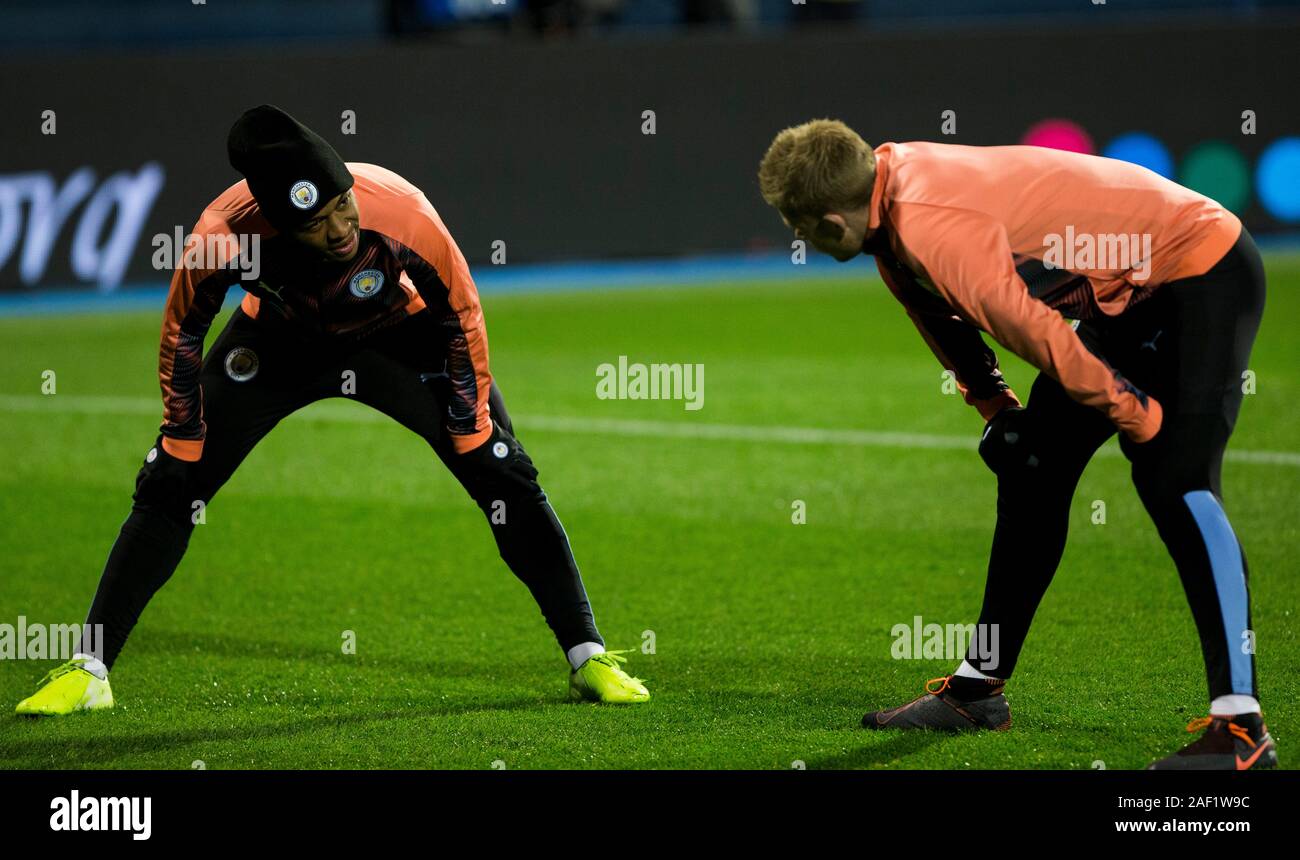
[
  {"x": 406, "y": 261},
  {"x": 1010, "y": 240}
]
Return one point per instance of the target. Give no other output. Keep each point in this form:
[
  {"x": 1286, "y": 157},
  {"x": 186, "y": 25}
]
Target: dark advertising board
[{"x": 613, "y": 149}]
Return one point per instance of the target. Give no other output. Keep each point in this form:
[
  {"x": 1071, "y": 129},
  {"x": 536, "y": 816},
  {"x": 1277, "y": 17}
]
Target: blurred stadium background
[{"x": 526, "y": 124}]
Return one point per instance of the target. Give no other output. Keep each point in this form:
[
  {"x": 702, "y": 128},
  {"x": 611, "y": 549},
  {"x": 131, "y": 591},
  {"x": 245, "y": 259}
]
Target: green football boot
[
  {"x": 601, "y": 680},
  {"x": 66, "y": 689}
]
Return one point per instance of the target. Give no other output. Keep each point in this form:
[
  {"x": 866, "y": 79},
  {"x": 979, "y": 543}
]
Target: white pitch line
[{"x": 332, "y": 410}]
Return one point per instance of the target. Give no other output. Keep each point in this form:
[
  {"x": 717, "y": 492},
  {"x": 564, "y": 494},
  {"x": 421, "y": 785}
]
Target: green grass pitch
[{"x": 770, "y": 638}]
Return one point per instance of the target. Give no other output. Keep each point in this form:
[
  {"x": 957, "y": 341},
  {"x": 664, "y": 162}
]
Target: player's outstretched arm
[
  {"x": 957, "y": 344},
  {"x": 196, "y": 296},
  {"x": 437, "y": 269}
]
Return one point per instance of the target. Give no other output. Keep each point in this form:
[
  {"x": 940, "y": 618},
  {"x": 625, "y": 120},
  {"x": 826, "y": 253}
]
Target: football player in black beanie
[{"x": 359, "y": 281}]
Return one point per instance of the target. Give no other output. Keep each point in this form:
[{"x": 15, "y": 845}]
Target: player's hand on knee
[
  {"x": 1009, "y": 442},
  {"x": 501, "y": 452},
  {"x": 1148, "y": 429},
  {"x": 164, "y": 479}
]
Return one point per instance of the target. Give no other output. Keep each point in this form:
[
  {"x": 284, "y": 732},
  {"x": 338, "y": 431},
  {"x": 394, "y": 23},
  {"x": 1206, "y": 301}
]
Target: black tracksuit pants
[
  {"x": 256, "y": 374},
  {"x": 1188, "y": 345}
]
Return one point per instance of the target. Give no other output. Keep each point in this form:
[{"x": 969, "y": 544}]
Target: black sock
[
  {"x": 970, "y": 689},
  {"x": 1253, "y": 723}
]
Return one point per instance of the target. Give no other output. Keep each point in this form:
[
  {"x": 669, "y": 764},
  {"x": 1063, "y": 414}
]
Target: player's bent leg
[
  {"x": 1033, "y": 518},
  {"x": 401, "y": 373},
  {"x": 240, "y": 408},
  {"x": 148, "y": 548},
  {"x": 1209, "y": 324},
  {"x": 1178, "y": 494},
  {"x": 1188, "y": 514},
  {"x": 502, "y": 480},
  {"x": 1054, "y": 439}
]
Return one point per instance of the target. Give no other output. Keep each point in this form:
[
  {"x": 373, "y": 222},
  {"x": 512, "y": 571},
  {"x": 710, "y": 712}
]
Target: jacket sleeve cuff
[
  {"x": 465, "y": 444},
  {"x": 189, "y": 450},
  {"x": 1150, "y": 421},
  {"x": 993, "y": 405}
]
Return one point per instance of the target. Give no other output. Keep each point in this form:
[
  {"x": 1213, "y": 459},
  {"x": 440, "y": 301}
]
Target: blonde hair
[{"x": 817, "y": 167}]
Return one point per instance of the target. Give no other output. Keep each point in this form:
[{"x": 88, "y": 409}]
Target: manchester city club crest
[
  {"x": 241, "y": 364},
  {"x": 366, "y": 283},
  {"x": 303, "y": 195}
]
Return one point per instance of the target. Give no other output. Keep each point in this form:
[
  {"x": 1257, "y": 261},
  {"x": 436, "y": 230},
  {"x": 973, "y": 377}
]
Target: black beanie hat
[{"x": 290, "y": 169}]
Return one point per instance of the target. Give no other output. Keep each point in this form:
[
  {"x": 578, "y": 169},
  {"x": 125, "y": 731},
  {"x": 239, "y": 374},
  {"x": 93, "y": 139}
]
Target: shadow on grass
[
  {"x": 890, "y": 747},
  {"x": 122, "y": 743}
]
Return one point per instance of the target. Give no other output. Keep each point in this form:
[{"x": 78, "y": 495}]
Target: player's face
[
  {"x": 335, "y": 231},
  {"x": 830, "y": 234}
]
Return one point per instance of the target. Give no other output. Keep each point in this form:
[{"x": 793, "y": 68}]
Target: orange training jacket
[
  {"x": 1011, "y": 240},
  {"x": 406, "y": 261}
]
